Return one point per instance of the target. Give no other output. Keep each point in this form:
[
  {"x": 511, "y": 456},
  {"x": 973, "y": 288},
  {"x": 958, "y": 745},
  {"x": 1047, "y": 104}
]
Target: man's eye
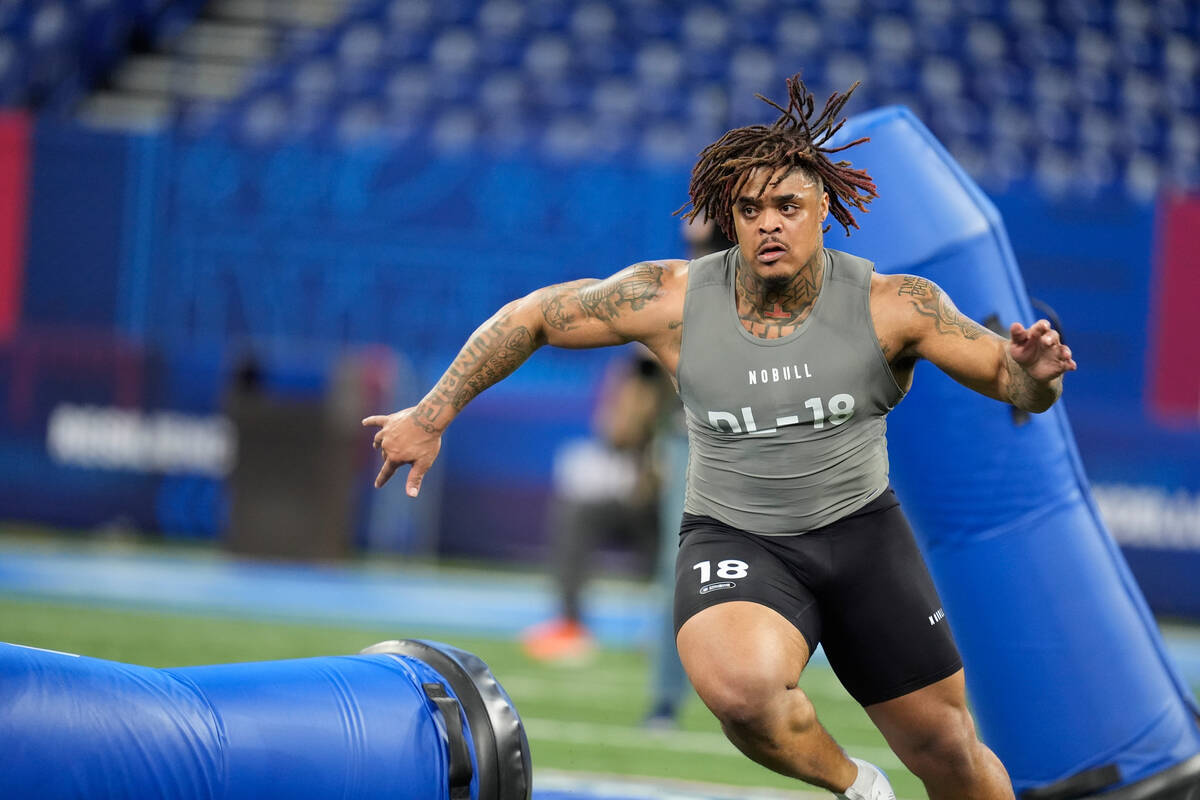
[
  {"x": 748, "y": 210},
  {"x": 788, "y": 208}
]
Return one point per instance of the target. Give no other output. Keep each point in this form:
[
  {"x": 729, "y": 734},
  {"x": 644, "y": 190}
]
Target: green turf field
[{"x": 578, "y": 718}]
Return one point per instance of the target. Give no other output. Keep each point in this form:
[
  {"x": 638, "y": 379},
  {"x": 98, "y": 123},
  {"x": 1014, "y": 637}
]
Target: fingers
[
  {"x": 398, "y": 449},
  {"x": 1039, "y": 328},
  {"x": 1040, "y": 332},
  {"x": 415, "y": 476},
  {"x": 1050, "y": 342},
  {"x": 386, "y": 472},
  {"x": 1060, "y": 356},
  {"x": 1041, "y": 344},
  {"x": 1068, "y": 362}
]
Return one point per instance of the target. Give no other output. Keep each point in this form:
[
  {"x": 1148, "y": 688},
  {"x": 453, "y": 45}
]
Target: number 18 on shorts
[{"x": 727, "y": 571}]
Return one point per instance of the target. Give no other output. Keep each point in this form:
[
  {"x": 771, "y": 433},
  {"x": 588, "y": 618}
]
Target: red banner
[
  {"x": 1175, "y": 315},
  {"x": 14, "y": 195}
]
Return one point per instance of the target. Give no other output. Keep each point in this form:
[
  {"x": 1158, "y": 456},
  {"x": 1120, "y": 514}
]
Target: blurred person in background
[
  {"x": 669, "y": 683},
  {"x": 605, "y": 491},
  {"x": 792, "y": 536},
  {"x": 626, "y": 484}
]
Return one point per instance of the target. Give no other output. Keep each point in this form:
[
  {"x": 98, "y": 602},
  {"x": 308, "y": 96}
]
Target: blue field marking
[
  {"x": 555, "y": 785},
  {"x": 476, "y": 602},
  {"x": 452, "y": 600}
]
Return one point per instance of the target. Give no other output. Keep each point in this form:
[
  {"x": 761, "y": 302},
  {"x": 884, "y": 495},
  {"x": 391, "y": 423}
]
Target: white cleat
[{"x": 871, "y": 784}]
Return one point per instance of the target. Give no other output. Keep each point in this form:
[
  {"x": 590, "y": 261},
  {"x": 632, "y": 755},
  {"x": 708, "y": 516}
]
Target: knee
[
  {"x": 746, "y": 702},
  {"x": 751, "y": 691},
  {"x": 948, "y": 747}
]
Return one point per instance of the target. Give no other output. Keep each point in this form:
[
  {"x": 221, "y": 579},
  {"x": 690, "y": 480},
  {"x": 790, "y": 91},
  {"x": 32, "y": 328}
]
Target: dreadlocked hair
[{"x": 795, "y": 140}]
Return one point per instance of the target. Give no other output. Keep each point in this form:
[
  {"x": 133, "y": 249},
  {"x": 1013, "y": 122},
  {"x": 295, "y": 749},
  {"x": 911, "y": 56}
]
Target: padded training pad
[
  {"x": 343, "y": 726},
  {"x": 1064, "y": 662}
]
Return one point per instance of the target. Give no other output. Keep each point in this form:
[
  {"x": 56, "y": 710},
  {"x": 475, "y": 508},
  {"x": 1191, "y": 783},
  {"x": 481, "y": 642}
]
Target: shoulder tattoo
[
  {"x": 930, "y": 301},
  {"x": 912, "y": 285},
  {"x": 567, "y": 305}
]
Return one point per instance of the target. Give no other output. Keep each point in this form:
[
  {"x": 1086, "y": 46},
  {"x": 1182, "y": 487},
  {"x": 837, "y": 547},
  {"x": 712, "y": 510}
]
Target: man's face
[{"x": 778, "y": 225}]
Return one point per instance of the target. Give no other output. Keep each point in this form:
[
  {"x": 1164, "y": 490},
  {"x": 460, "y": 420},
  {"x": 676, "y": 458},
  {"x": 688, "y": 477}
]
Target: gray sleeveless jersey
[{"x": 786, "y": 434}]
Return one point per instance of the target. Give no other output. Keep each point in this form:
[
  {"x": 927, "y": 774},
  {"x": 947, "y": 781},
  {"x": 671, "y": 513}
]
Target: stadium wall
[{"x": 153, "y": 264}]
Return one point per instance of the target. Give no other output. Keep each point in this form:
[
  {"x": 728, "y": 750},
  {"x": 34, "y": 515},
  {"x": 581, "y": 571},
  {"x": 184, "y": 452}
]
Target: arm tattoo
[
  {"x": 561, "y": 307},
  {"x": 930, "y": 301},
  {"x": 630, "y": 290},
  {"x": 492, "y": 353},
  {"x": 568, "y": 305},
  {"x": 1025, "y": 392},
  {"x": 912, "y": 285}
]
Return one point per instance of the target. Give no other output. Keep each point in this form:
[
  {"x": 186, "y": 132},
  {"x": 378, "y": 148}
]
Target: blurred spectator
[
  {"x": 670, "y": 683},
  {"x": 625, "y": 484},
  {"x": 604, "y": 492}
]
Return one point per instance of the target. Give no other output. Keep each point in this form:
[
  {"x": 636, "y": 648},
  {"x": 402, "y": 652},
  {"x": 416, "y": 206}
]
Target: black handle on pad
[{"x": 461, "y": 770}]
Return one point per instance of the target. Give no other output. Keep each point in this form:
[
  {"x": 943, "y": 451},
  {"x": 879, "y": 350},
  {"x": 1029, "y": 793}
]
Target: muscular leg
[
  {"x": 744, "y": 660},
  {"x": 933, "y": 734}
]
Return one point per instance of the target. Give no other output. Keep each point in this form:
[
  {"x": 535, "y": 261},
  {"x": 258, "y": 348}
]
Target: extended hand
[
  {"x": 1039, "y": 351},
  {"x": 403, "y": 441}
]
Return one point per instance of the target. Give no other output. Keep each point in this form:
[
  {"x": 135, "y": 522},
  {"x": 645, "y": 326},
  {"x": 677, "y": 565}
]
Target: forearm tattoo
[
  {"x": 492, "y": 353},
  {"x": 500, "y": 346},
  {"x": 930, "y": 301},
  {"x": 567, "y": 306},
  {"x": 1026, "y": 392}
]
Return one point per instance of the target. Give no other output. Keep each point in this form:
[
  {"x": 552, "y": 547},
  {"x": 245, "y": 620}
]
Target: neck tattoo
[{"x": 770, "y": 309}]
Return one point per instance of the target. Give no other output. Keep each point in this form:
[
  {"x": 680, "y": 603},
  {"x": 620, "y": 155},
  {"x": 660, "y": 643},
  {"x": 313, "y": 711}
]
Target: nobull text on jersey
[{"x": 792, "y": 372}]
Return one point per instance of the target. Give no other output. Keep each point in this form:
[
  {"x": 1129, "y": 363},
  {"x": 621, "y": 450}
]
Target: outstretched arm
[
  {"x": 1025, "y": 370},
  {"x": 635, "y": 304}
]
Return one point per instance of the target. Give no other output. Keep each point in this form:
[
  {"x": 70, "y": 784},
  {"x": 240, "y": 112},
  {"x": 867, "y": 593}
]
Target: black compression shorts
[{"x": 858, "y": 586}]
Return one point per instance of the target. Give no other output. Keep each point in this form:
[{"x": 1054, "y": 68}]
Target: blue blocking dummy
[
  {"x": 404, "y": 719},
  {"x": 1066, "y": 671}
]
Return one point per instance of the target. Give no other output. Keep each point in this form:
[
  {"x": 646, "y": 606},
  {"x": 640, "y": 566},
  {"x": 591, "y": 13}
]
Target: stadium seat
[
  {"x": 658, "y": 64},
  {"x": 892, "y": 38},
  {"x": 704, "y": 30},
  {"x": 508, "y": 133},
  {"x": 455, "y": 130},
  {"x": 1127, "y": 67},
  {"x": 569, "y": 138},
  {"x": 502, "y": 93},
  {"x": 615, "y": 100}
]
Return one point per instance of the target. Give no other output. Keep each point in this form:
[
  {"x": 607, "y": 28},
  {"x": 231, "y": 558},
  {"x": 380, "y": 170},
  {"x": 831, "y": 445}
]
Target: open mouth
[{"x": 771, "y": 251}]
